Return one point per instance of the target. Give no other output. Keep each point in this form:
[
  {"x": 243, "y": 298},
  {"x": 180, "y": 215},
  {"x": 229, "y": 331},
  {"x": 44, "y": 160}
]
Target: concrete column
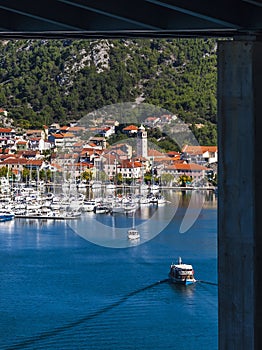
[{"x": 240, "y": 193}]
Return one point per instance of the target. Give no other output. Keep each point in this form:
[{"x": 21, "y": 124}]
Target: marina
[
  {"x": 106, "y": 298},
  {"x": 58, "y": 202}
]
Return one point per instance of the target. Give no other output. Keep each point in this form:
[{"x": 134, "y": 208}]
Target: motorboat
[
  {"x": 89, "y": 205},
  {"x": 181, "y": 273},
  {"x": 130, "y": 207},
  {"x": 6, "y": 215},
  {"x": 133, "y": 234},
  {"x": 117, "y": 208},
  {"x": 101, "y": 209}
]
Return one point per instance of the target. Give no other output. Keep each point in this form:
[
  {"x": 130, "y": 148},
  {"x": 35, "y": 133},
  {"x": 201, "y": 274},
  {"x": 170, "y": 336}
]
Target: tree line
[{"x": 46, "y": 81}]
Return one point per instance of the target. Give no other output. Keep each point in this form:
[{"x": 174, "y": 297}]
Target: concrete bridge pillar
[{"x": 240, "y": 193}]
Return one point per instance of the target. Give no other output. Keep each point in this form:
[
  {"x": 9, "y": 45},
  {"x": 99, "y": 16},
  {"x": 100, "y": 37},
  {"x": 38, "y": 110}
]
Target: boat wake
[
  {"x": 58, "y": 330},
  {"x": 207, "y": 282}
]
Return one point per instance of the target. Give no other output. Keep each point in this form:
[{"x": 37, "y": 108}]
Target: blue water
[{"x": 60, "y": 291}]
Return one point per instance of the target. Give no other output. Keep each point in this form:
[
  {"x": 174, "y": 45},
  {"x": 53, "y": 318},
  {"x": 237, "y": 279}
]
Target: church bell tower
[{"x": 142, "y": 142}]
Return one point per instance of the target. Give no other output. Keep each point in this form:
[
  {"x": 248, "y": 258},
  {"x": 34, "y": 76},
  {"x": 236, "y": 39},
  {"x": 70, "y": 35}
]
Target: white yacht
[{"x": 89, "y": 205}]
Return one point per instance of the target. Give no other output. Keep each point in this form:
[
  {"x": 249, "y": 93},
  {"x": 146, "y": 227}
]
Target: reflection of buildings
[{"x": 197, "y": 199}]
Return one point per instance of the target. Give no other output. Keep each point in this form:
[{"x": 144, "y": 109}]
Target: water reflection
[
  {"x": 183, "y": 291},
  {"x": 110, "y": 230}
]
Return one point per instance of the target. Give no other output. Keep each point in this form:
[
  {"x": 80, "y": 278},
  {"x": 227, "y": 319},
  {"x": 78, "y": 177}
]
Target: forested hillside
[{"x": 61, "y": 80}]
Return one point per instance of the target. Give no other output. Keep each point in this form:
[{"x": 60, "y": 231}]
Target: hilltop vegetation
[{"x": 45, "y": 81}]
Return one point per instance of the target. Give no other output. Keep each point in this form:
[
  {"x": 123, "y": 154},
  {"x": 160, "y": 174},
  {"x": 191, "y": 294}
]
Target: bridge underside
[{"x": 136, "y": 18}]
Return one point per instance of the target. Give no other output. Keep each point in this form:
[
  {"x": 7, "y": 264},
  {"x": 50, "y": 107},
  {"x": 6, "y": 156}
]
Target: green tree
[
  {"x": 166, "y": 178},
  {"x": 184, "y": 180},
  {"x": 86, "y": 175},
  {"x": 119, "y": 178},
  {"x": 3, "y": 171},
  {"x": 25, "y": 174}
]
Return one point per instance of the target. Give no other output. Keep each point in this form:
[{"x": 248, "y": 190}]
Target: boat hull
[
  {"x": 6, "y": 215},
  {"x": 185, "y": 282},
  {"x": 6, "y": 218},
  {"x": 133, "y": 234}
]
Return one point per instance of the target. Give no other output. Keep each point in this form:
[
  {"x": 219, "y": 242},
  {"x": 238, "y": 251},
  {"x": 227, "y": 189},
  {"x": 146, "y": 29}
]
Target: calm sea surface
[{"x": 63, "y": 287}]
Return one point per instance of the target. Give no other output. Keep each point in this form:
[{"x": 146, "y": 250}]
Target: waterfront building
[
  {"x": 130, "y": 169},
  {"x": 196, "y": 171},
  {"x": 200, "y": 154}
]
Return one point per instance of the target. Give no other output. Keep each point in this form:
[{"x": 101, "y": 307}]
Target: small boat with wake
[
  {"x": 181, "y": 273},
  {"x": 133, "y": 234}
]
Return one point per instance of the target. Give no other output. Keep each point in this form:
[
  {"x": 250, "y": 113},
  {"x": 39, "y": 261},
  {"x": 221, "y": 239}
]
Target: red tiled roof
[
  {"x": 58, "y": 136},
  {"x": 119, "y": 152},
  {"x": 23, "y": 153},
  {"x": 83, "y": 165},
  {"x": 173, "y": 153},
  {"x": 209, "y": 149},
  {"x": 76, "y": 128},
  {"x": 130, "y": 128},
  {"x": 67, "y": 156},
  {"x": 110, "y": 158},
  {"x": 34, "y": 138},
  {"x": 5, "y": 130},
  {"x": 155, "y": 153},
  {"x": 186, "y": 167},
  {"x": 141, "y": 159},
  {"x": 198, "y": 149},
  {"x": 5, "y": 156},
  {"x": 32, "y": 131},
  {"x": 68, "y": 135},
  {"x": 88, "y": 151},
  {"x": 78, "y": 144},
  {"x": 151, "y": 118},
  {"x": 19, "y": 161},
  {"x": 57, "y": 166},
  {"x": 129, "y": 164},
  {"x": 164, "y": 159},
  {"x": 64, "y": 128},
  {"x": 37, "y": 162}
]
